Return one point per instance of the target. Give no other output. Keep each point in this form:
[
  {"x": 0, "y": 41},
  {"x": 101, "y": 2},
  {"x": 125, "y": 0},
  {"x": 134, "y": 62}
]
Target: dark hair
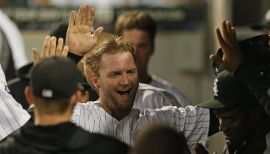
[
  {"x": 160, "y": 139},
  {"x": 136, "y": 19}
]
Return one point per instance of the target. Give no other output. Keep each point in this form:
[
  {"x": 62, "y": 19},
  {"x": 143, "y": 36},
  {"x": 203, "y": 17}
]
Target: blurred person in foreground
[
  {"x": 160, "y": 139},
  {"x": 54, "y": 93},
  {"x": 139, "y": 28}
]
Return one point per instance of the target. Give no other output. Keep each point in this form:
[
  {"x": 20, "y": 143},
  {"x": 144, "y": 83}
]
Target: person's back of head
[
  {"x": 136, "y": 20},
  {"x": 53, "y": 82},
  {"x": 160, "y": 139}
]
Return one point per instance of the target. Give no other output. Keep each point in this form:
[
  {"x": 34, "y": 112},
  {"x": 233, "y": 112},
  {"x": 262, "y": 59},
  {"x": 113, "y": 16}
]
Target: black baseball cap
[
  {"x": 55, "y": 78},
  {"x": 228, "y": 91},
  {"x": 265, "y": 23}
]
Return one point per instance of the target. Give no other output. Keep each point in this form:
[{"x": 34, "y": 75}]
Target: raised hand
[
  {"x": 51, "y": 47},
  {"x": 232, "y": 56},
  {"x": 80, "y": 38}
]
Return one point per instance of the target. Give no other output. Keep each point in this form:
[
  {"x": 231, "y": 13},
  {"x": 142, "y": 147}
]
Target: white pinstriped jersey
[
  {"x": 149, "y": 97},
  {"x": 194, "y": 122},
  {"x": 161, "y": 83},
  {"x": 12, "y": 115}
]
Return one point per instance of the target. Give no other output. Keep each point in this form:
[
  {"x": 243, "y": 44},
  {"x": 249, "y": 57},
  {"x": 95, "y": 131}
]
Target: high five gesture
[{"x": 80, "y": 37}]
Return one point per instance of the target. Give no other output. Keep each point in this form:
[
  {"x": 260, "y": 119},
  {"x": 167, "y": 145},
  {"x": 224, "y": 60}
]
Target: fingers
[
  {"x": 220, "y": 38},
  {"x": 234, "y": 34},
  {"x": 36, "y": 55},
  {"x": 59, "y": 47},
  {"x": 46, "y": 46},
  {"x": 90, "y": 20},
  {"x": 97, "y": 33},
  {"x": 65, "y": 51},
  {"x": 52, "y": 46},
  {"x": 72, "y": 17},
  {"x": 80, "y": 15},
  {"x": 225, "y": 31},
  {"x": 86, "y": 15}
]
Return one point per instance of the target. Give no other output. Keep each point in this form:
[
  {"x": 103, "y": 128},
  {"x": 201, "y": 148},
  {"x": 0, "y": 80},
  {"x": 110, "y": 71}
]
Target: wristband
[{"x": 74, "y": 57}]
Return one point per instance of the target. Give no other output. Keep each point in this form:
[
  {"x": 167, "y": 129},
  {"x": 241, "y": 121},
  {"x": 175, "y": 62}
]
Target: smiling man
[
  {"x": 118, "y": 81},
  {"x": 115, "y": 76},
  {"x": 110, "y": 66}
]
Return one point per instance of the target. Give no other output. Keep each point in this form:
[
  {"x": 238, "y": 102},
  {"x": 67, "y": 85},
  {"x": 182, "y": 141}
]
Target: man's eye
[
  {"x": 133, "y": 71},
  {"x": 115, "y": 74}
]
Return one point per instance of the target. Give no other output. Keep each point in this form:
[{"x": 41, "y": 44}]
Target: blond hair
[{"x": 113, "y": 45}]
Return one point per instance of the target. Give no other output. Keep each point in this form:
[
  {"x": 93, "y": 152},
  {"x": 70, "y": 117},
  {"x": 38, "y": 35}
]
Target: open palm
[{"x": 80, "y": 37}]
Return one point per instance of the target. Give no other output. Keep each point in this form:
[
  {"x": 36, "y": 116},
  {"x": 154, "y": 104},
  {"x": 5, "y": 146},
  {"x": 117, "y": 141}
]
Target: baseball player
[{"x": 114, "y": 75}]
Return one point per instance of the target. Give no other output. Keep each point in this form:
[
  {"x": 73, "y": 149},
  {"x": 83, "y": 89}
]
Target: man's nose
[{"x": 124, "y": 79}]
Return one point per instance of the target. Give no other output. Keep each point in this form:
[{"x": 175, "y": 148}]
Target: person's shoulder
[
  {"x": 89, "y": 104},
  {"x": 146, "y": 91},
  {"x": 147, "y": 87},
  {"x": 10, "y": 144},
  {"x": 163, "y": 84},
  {"x": 157, "y": 97}
]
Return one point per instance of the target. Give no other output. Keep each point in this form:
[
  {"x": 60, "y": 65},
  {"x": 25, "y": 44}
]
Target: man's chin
[
  {"x": 125, "y": 106},
  {"x": 234, "y": 143}
]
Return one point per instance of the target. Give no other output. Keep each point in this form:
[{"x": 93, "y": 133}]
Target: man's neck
[
  {"x": 48, "y": 120},
  {"x": 119, "y": 115}
]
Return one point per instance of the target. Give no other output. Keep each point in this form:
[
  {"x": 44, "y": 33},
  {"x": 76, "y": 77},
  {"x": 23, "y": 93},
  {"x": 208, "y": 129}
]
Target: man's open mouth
[{"x": 123, "y": 91}]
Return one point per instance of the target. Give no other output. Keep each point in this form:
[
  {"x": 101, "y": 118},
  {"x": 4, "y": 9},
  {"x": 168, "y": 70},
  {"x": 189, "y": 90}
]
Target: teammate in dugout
[
  {"x": 140, "y": 29},
  {"x": 250, "y": 67}
]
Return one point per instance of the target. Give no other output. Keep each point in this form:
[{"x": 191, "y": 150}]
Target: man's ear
[
  {"x": 75, "y": 98},
  {"x": 95, "y": 81},
  {"x": 28, "y": 95}
]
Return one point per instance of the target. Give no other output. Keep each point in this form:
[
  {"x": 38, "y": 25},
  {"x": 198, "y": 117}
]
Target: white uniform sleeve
[
  {"x": 12, "y": 115},
  {"x": 149, "y": 97},
  {"x": 192, "y": 121}
]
